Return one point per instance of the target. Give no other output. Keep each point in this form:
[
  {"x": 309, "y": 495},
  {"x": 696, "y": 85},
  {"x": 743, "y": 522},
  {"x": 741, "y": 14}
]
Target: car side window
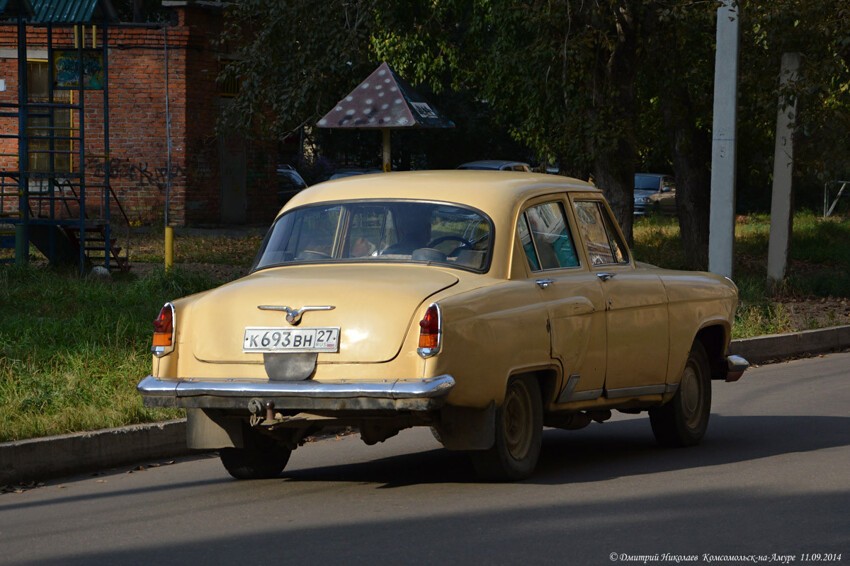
[
  {"x": 603, "y": 243},
  {"x": 545, "y": 236}
]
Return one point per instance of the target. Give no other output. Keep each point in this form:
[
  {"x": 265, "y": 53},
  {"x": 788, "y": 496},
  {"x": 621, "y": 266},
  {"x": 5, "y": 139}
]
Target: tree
[
  {"x": 139, "y": 11},
  {"x": 562, "y": 74},
  {"x": 819, "y": 32},
  {"x": 596, "y": 86},
  {"x": 676, "y": 81},
  {"x": 293, "y": 60}
]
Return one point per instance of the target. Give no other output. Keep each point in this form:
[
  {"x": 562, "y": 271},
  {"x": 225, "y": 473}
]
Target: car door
[
  {"x": 571, "y": 295},
  {"x": 635, "y": 303}
]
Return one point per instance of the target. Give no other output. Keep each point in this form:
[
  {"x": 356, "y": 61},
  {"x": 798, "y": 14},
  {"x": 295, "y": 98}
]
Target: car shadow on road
[
  {"x": 611, "y": 450},
  {"x": 627, "y": 448}
]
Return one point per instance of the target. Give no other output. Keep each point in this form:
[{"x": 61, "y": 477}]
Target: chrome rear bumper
[{"x": 342, "y": 395}]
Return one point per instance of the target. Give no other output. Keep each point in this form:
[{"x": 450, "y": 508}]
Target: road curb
[
  {"x": 58, "y": 456},
  {"x": 68, "y": 454},
  {"x": 778, "y": 347}
]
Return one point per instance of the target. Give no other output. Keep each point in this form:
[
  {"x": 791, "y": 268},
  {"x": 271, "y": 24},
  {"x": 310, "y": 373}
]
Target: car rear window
[
  {"x": 647, "y": 182},
  {"x": 380, "y": 231}
]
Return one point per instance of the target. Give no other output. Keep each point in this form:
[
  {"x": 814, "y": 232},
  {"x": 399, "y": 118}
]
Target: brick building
[{"x": 215, "y": 179}]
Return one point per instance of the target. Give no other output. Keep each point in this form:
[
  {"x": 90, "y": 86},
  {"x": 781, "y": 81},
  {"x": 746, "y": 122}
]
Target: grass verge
[
  {"x": 819, "y": 267},
  {"x": 72, "y": 350}
]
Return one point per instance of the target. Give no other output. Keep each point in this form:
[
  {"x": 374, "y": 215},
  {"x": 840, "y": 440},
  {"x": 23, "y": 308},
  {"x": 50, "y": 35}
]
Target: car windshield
[
  {"x": 647, "y": 182},
  {"x": 379, "y": 231}
]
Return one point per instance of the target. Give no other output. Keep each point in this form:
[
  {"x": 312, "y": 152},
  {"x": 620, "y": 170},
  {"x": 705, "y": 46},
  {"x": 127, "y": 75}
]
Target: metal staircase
[
  {"x": 66, "y": 227},
  {"x": 51, "y": 201}
]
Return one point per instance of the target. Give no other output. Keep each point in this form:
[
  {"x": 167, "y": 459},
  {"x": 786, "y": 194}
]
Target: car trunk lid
[{"x": 373, "y": 306}]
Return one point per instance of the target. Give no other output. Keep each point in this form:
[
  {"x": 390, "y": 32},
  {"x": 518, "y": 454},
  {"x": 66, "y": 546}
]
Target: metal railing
[{"x": 828, "y": 208}]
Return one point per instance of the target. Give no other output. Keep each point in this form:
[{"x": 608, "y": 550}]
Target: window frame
[
  {"x": 569, "y": 232},
  {"x": 39, "y": 152},
  {"x": 610, "y": 228}
]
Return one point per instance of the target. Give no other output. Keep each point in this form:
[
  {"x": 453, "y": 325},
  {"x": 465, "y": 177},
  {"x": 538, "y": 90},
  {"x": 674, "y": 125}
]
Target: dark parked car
[
  {"x": 342, "y": 173},
  {"x": 289, "y": 183},
  {"x": 497, "y": 165},
  {"x": 654, "y": 193}
]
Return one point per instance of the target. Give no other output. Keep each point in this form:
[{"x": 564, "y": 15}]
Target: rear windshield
[
  {"x": 380, "y": 231},
  {"x": 647, "y": 182}
]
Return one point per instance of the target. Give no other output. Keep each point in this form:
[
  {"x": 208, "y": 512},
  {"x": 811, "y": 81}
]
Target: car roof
[{"x": 489, "y": 191}]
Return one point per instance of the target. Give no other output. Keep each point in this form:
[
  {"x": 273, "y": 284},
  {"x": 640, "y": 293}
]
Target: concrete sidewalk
[{"x": 58, "y": 456}]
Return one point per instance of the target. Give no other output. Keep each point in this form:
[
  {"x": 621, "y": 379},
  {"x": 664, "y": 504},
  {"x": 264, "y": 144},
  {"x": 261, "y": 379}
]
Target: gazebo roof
[{"x": 384, "y": 100}]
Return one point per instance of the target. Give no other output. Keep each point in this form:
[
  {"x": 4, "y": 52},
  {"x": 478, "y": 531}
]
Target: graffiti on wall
[{"x": 141, "y": 174}]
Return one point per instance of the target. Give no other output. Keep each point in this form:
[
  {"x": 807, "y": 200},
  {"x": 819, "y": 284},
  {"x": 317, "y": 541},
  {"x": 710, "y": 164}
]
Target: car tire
[
  {"x": 261, "y": 458},
  {"x": 518, "y": 434},
  {"x": 684, "y": 419}
]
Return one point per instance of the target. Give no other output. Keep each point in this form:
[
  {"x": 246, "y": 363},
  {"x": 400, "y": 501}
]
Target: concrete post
[
  {"x": 723, "y": 151},
  {"x": 783, "y": 166}
]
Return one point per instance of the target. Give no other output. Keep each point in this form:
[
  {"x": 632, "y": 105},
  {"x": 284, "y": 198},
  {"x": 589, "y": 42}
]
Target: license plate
[{"x": 291, "y": 340}]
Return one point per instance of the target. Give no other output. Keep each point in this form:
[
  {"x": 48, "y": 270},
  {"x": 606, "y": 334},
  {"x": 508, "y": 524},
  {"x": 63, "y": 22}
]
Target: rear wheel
[
  {"x": 519, "y": 432},
  {"x": 684, "y": 420},
  {"x": 261, "y": 458}
]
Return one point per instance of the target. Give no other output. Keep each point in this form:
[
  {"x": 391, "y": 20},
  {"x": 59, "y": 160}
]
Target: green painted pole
[
  {"x": 22, "y": 241},
  {"x": 22, "y": 252}
]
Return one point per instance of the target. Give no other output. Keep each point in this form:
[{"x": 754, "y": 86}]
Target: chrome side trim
[
  {"x": 569, "y": 387},
  {"x": 411, "y": 394},
  {"x": 569, "y": 394},
  {"x": 660, "y": 389},
  {"x": 736, "y": 366},
  {"x": 589, "y": 395}
]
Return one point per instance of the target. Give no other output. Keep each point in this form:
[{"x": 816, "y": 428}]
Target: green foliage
[
  {"x": 294, "y": 60},
  {"x": 141, "y": 11},
  {"x": 656, "y": 241},
  {"x": 571, "y": 81},
  {"x": 72, "y": 350},
  {"x": 819, "y": 32}
]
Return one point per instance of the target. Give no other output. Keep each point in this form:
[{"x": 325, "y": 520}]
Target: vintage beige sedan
[{"x": 485, "y": 305}]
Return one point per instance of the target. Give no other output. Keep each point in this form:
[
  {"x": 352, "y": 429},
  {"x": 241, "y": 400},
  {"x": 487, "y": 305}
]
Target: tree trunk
[
  {"x": 691, "y": 149},
  {"x": 614, "y": 158},
  {"x": 614, "y": 173}
]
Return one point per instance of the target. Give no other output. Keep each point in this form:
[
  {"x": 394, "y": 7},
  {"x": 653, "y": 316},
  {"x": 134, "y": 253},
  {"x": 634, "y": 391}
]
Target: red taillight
[
  {"x": 430, "y": 332},
  {"x": 163, "y": 331}
]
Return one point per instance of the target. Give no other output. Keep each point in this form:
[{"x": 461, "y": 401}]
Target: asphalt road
[{"x": 771, "y": 481}]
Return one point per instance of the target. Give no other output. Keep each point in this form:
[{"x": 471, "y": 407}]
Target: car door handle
[
  {"x": 605, "y": 275},
  {"x": 543, "y": 283}
]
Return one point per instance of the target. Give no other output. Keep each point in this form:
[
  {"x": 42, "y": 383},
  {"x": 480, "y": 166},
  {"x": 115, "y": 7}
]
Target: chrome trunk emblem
[{"x": 293, "y": 316}]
